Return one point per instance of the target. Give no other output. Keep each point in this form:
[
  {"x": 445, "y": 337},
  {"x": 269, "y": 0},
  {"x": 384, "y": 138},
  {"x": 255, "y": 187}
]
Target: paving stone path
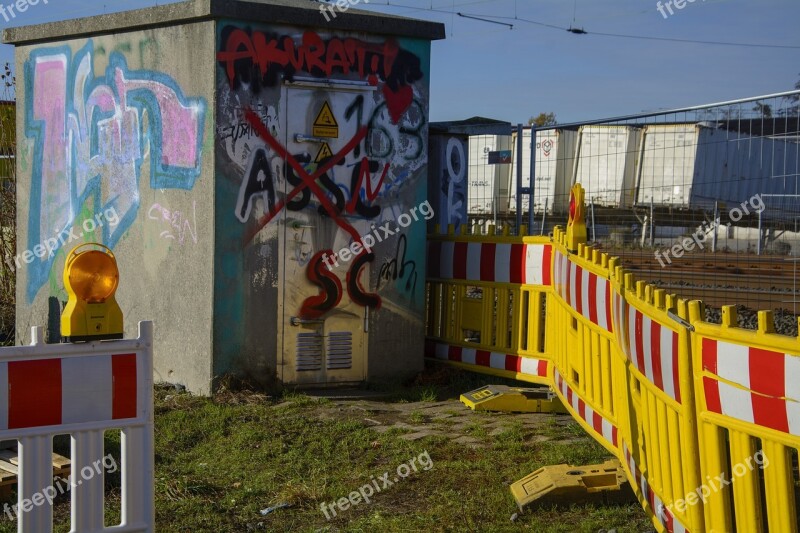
[{"x": 450, "y": 419}]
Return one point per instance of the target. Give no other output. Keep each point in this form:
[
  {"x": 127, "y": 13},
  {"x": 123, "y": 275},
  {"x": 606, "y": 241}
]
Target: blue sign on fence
[{"x": 503, "y": 157}]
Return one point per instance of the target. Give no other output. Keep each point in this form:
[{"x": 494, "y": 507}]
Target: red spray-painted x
[{"x": 309, "y": 180}]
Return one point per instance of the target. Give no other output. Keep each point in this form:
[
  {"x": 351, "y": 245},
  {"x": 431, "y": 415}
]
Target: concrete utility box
[{"x": 225, "y": 150}]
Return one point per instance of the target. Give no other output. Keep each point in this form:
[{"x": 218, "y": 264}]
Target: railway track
[
  {"x": 770, "y": 282},
  {"x": 751, "y": 298},
  {"x": 722, "y": 262},
  {"x": 763, "y": 282}
]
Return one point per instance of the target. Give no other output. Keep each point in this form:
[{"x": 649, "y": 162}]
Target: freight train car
[
  {"x": 666, "y": 165},
  {"x": 555, "y": 160},
  {"x": 696, "y": 165},
  {"x": 732, "y": 167},
  {"x": 487, "y": 190},
  {"x": 493, "y": 187},
  {"x": 607, "y": 158}
]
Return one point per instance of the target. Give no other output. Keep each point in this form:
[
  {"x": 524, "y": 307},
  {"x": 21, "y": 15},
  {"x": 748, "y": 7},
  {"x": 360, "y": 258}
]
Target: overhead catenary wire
[
  {"x": 580, "y": 31},
  {"x": 510, "y": 26},
  {"x": 646, "y": 37}
]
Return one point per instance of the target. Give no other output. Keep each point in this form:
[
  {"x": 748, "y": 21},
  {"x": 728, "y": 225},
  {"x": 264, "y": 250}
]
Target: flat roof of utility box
[{"x": 290, "y": 12}]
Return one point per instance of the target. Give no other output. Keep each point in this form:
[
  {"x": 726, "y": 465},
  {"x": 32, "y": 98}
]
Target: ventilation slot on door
[
  {"x": 340, "y": 350},
  {"x": 309, "y": 352}
]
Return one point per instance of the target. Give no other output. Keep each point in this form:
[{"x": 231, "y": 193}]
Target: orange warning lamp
[
  {"x": 576, "y": 225},
  {"x": 90, "y": 279}
]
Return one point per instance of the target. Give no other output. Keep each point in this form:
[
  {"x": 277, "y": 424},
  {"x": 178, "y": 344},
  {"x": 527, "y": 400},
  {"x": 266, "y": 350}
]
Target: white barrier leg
[
  {"x": 137, "y": 479},
  {"x": 35, "y": 475},
  {"x": 88, "y": 492},
  {"x": 138, "y": 469}
]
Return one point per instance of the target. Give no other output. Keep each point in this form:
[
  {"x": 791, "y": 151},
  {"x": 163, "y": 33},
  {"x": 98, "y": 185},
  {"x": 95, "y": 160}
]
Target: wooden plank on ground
[
  {"x": 9, "y": 466},
  {"x": 7, "y": 478},
  {"x": 10, "y": 456},
  {"x": 5, "y": 465},
  {"x": 60, "y": 462}
]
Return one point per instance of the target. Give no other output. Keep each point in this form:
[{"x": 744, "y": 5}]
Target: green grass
[
  {"x": 416, "y": 417},
  {"x": 218, "y": 464}
]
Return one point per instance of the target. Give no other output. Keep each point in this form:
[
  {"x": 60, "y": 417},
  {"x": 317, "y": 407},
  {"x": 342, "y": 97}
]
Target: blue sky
[{"x": 510, "y": 74}]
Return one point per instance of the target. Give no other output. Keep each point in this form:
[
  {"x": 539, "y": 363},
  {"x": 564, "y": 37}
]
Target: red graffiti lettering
[
  {"x": 312, "y": 55},
  {"x": 365, "y": 177},
  {"x": 354, "y": 288},
  {"x": 331, "y": 293}
]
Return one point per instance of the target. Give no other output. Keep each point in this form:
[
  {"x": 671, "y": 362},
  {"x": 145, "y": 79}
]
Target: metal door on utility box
[{"x": 324, "y": 330}]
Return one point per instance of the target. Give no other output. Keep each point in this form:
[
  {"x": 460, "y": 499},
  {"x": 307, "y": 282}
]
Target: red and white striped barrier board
[
  {"x": 584, "y": 291},
  {"x": 83, "y": 390},
  {"x": 618, "y": 313},
  {"x": 497, "y": 360},
  {"x": 51, "y": 392},
  {"x": 651, "y": 347},
  {"x": 600, "y": 424},
  {"x": 664, "y": 515},
  {"x": 755, "y": 385},
  {"x": 528, "y": 264}
]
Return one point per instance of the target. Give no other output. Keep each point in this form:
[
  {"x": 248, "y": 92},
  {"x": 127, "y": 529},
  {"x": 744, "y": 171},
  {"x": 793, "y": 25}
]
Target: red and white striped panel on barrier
[
  {"x": 755, "y": 385},
  {"x": 527, "y": 264},
  {"x": 651, "y": 347},
  {"x": 599, "y": 423},
  {"x": 584, "y": 291},
  {"x": 497, "y": 360},
  {"x": 83, "y": 390},
  {"x": 664, "y": 514},
  {"x": 51, "y": 392},
  {"x": 618, "y": 313}
]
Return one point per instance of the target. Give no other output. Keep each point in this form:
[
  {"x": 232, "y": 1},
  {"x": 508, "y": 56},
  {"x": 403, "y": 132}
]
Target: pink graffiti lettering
[
  {"x": 178, "y": 225},
  {"x": 93, "y": 137}
]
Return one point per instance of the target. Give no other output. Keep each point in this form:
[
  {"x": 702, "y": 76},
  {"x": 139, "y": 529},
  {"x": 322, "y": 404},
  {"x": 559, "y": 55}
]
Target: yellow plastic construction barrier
[
  {"x": 482, "y": 297},
  {"x": 748, "y": 388},
  {"x": 705, "y": 418}
]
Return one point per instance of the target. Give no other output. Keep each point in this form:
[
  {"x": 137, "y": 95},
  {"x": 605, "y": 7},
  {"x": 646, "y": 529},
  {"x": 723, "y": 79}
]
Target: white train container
[
  {"x": 606, "y": 163},
  {"x": 488, "y": 185},
  {"x": 697, "y": 165},
  {"x": 671, "y": 165},
  {"x": 555, "y": 161},
  {"x": 731, "y": 168},
  {"x": 667, "y": 164}
]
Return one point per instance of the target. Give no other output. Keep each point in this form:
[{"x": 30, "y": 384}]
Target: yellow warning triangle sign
[
  {"x": 325, "y": 124},
  {"x": 324, "y": 153},
  {"x": 325, "y": 117}
]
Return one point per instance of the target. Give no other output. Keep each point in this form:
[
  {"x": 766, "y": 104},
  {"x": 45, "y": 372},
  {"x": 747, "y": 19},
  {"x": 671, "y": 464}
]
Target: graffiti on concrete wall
[
  {"x": 454, "y": 181},
  {"x": 93, "y": 136},
  {"x": 368, "y": 169},
  {"x": 448, "y": 171},
  {"x": 256, "y": 59},
  {"x": 399, "y": 268},
  {"x": 174, "y": 224}
]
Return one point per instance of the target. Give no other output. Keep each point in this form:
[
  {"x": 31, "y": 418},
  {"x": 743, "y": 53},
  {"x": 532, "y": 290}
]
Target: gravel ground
[{"x": 785, "y": 321}]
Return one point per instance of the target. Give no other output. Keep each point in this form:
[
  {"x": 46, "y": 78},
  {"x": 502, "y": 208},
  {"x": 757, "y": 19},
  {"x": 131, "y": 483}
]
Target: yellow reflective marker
[
  {"x": 576, "y": 225},
  {"x": 91, "y": 278}
]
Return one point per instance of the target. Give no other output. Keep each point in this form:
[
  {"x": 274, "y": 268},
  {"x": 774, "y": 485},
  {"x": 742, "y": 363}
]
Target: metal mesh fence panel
[{"x": 704, "y": 201}]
